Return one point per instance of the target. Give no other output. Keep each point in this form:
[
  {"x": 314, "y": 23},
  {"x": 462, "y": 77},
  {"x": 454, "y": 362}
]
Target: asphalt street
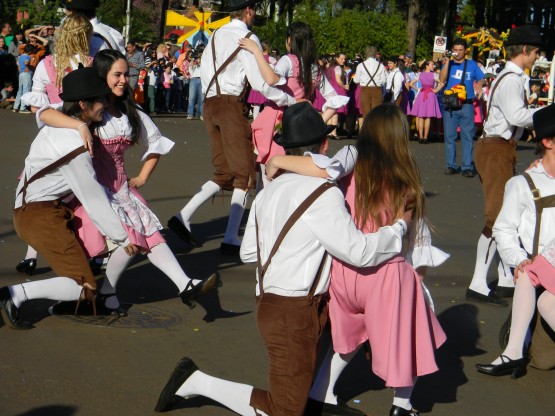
[{"x": 83, "y": 366}]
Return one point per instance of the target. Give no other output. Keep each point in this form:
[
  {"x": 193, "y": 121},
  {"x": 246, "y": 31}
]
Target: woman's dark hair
[
  {"x": 103, "y": 62},
  {"x": 304, "y": 48}
]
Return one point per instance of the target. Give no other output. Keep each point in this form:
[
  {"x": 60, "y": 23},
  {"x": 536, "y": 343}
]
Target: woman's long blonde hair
[
  {"x": 386, "y": 175},
  {"x": 72, "y": 44}
]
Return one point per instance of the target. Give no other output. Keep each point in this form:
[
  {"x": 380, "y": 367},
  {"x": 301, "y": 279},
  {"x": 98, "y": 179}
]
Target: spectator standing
[
  {"x": 25, "y": 78},
  {"x": 17, "y": 41},
  {"x": 3, "y": 47},
  {"x": 196, "y": 98},
  {"x": 136, "y": 61},
  {"x": 452, "y": 74},
  {"x": 6, "y": 33},
  {"x": 395, "y": 82}
]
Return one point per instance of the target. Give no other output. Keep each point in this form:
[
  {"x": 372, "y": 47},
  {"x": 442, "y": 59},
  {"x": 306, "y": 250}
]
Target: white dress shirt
[
  {"x": 111, "y": 35},
  {"x": 516, "y": 221},
  {"x": 508, "y": 107},
  {"x": 231, "y": 79},
  {"x": 396, "y": 79},
  {"x": 362, "y": 77},
  {"x": 77, "y": 177},
  {"x": 325, "y": 226},
  {"x": 284, "y": 68}
]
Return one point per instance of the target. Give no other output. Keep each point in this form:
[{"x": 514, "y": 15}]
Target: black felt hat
[
  {"x": 524, "y": 35},
  {"x": 302, "y": 126},
  {"x": 81, "y": 4},
  {"x": 544, "y": 122},
  {"x": 233, "y": 5},
  {"x": 83, "y": 84}
]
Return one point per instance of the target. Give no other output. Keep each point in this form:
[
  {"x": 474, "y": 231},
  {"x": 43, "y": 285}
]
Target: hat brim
[
  {"x": 99, "y": 93},
  {"x": 242, "y": 6},
  {"x": 318, "y": 138}
]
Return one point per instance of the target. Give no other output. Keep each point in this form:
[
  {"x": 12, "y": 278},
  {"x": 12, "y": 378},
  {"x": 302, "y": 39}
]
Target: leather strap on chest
[
  {"x": 540, "y": 203},
  {"x": 371, "y": 76},
  {"x": 106, "y": 41},
  {"x": 490, "y": 99},
  {"x": 218, "y": 71},
  {"x": 51, "y": 167},
  {"x": 262, "y": 268}
]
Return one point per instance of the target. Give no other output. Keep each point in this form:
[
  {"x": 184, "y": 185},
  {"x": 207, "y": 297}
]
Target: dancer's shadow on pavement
[
  {"x": 53, "y": 410},
  {"x": 460, "y": 323}
]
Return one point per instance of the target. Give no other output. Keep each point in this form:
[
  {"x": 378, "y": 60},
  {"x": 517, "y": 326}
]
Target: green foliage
[
  {"x": 41, "y": 14},
  {"x": 143, "y": 22},
  {"x": 274, "y": 32}
]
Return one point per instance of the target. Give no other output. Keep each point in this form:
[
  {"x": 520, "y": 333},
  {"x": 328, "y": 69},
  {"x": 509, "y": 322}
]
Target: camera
[{"x": 450, "y": 54}]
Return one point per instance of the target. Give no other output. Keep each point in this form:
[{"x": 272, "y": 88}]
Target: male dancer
[{"x": 225, "y": 69}]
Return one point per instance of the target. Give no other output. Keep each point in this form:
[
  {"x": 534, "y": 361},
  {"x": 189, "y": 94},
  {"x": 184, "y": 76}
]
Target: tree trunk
[{"x": 412, "y": 25}]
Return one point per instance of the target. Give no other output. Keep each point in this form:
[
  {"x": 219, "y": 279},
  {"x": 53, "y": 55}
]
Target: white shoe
[
  {"x": 189, "y": 117},
  {"x": 201, "y": 118}
]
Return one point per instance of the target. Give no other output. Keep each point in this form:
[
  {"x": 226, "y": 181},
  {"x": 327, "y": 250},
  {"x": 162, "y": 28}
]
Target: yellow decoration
[{"x": 191, "y": 26}]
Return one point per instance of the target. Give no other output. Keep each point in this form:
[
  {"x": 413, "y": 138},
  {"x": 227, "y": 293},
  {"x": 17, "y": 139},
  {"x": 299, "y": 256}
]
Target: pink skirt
[
  {"x": 386, "y": 306},
  {"x": 263, "y": 130},
  {"x": 542, "y": 273}
]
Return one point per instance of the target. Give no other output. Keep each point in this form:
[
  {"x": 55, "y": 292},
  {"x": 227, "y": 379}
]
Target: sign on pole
[{"x": 440, "y": 44}]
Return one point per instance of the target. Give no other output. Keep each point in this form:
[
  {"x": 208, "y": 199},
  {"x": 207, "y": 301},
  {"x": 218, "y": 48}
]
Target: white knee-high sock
[
  {"x": 265, "y": 181},
  {"x": 238, "y": 203},
  {"x": 504, "y": 273},
  {"x": 330, "y": 370},
  {"x": 162, "y": 257},
  {"x": 255, "y": 111},
  {"x": 117, "y": 263},
  {"x": 479, "y": 281},
  {"x": 31, "y": 253},
  {"x": 57, "y": 288},
  {"x": 546, "y": 307},
  {"x": 234, "y": 396},
  {"x": 524, "y": 304},
  {"x": 401, "y": 396},
  {"x": 202, "y": 195}
]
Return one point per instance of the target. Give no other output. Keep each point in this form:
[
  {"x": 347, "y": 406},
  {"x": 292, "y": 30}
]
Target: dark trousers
[
  {"x": 290, "y": 328},
  {"x": 495, "y": 160},
  {"x": 46, "y": 226},
  {"x": 230, "y": 142}
]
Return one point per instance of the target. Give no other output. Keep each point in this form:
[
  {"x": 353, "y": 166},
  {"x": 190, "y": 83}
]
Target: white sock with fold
[
  {"x": 238, "y": 203},
  {"x": 162, "y": 257},
  {"x": 524, "y": 304},
  {"x": 202, "y": 195},
  {"x": 57, "y": 288},
  {"x": 330, "y": 370},
  {"x": 401, "y": 396},
  {"x": 31, "y": 253},
  {"x": 479, "y": 281},
  {"x": 504, "y": 273},
  {"x": 235, "y": 396},
  {"x": 117, "y": 263}
]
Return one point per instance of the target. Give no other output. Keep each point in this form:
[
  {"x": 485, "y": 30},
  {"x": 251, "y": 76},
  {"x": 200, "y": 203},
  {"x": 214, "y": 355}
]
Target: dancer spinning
[
  {"x": 384, "y": 305},
  {"x": 122, "y": 126},
  {"x": 303, "y": 76}
]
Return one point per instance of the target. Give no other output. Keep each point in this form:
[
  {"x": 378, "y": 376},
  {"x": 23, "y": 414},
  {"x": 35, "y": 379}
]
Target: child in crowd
[{"x": 6, "y": 96}]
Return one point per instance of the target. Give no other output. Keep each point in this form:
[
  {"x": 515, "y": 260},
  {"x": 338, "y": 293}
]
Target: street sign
[{"x": 440, "y": 44}]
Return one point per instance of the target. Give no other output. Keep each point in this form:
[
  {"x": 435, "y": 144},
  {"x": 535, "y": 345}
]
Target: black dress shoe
[
  {"x": 504, "y": 291},
  {"x": 179, "y": 228},
  {"x": 315, "y": 407},
  {"x": 192, "y": 292},
  {"x": 229, "y": 249},
  {"x": 490, "y": 299},
  {"x": 27, "y": 266},
  {"x": 516, "y": 368},
  {"x": 468, "y": 173},
  {"x": 450, "y": 171},
  {"x": 10, "y": 313},
  {"x": 399, "y": 411},
  {"x": 182, "y": 371}
]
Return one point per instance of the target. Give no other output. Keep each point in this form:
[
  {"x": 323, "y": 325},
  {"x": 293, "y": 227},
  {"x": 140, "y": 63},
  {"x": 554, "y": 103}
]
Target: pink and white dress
[
  {"x": 263, "y": 127},
  {"x": 140, "y": 222}
]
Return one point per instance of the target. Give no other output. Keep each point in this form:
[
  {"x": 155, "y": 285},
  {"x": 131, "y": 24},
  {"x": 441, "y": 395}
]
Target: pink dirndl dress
[
  {"x": 386, "y": 306},
  {"x": 139, "y": 221},
  {"x": 264, "y": 125},
  {"x": 330, "y": 73},
  {"x": 255, "y": 97}
]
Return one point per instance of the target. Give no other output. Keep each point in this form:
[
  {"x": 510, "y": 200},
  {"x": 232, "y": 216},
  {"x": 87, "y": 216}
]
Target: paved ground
[{"x": 68, "y": 366}]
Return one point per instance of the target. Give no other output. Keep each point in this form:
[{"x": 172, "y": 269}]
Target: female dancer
[
  {"x": 303, "y": 77},
  {"x": 425, "y": 104},
  {"x": 72, "y": 49},
  {"x": 338, "y": 80},
  {"x": 124, "y": 125},
  {"x": 384, "y": 305}
]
